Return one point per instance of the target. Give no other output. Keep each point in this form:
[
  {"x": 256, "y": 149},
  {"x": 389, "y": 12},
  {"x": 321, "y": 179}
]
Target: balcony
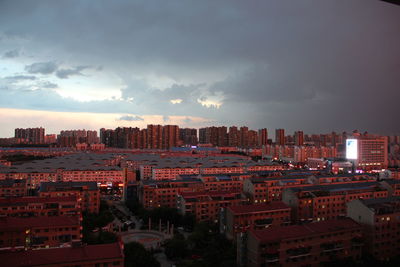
[
  {"x": 263, "y": 222},
  {"x": 298, "y": 252},
  {"x": 271, "y": 257},
  {"x": 330, "y": 247},
  {"x": 357, "y": 242}
]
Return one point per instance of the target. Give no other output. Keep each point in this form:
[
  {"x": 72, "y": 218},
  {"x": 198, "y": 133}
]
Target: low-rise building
[
  {"x": 87, "y": 193},
  {"x": 13, "y": 188},
  {"x": 206, "y": 206},
  {"x": 82, "y": 255},
  {"x": 154, "y": 194},
  {"x": 380, "y": 219},
  {"x": 301, "y": 245},
  {"x": 40, "y": 206},
  {"x": 38, "y": 232},
  {"x": 324, "y": 202},
  {"x": 239, "y": 219}
]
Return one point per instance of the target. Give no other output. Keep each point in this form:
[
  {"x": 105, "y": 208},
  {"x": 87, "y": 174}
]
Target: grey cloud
[
  {"x": 312, "y": 65},
  {"x": 48, "y": 85},
  {"x": 130, "y": 118},
  {"x": 11, "y": 54},
  {"x": 20, "y": 77},
  {"x": 262, "y": 83},
  {"x": 66, "y": 73},
  {"x": 42, "y": 67}
]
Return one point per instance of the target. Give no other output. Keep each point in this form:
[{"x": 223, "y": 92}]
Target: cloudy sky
[{"x": 308, "y": 64}]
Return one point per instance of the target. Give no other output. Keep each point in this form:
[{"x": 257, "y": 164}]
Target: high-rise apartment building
[
  {"x": 154, "y": 136},
  {"x": 31, "y": 135},
  {"x": 188, "y": 136},
  {"x": 280, "y": 137},
  {"x": 217, "y": 136},
  {"x": 244, "y": 136},
  {"x": 262, "y": 137},
  {"x": 233, "y": 136},
  {"x": 252, "y": 139},
  {"x": 299, "y": 138},
  {"x": 92, "y": 137},
  {"x": 72, "y": 137},
  {"x": 170, "y": 136}
]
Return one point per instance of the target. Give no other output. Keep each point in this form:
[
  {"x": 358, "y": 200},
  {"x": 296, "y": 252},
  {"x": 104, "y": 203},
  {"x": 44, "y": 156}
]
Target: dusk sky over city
[{"x": 305, "y": 65}]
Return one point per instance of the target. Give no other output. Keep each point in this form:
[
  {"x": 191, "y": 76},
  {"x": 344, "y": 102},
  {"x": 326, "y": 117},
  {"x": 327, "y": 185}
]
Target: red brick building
[
  {"x": 222, "y": 183},
  {"x": 84, "y": 255},
  {"x": 40, "y": 206},
  {"x": 302, "y": 245},
  {"x": 372, "y": 152},
  {"x": 87, "y": 193},
  {"x": 380, "y": 219},
  {"x": 269, "y": 189},
  {"x": 239, "y": 219},
  {"x": 38, "y": 232},
  {"x": 315, "y": 203},
  {"x": 13, "y": 188},
  {"x": 154, "y": 194},
  {"x": 206, "y": 206}
]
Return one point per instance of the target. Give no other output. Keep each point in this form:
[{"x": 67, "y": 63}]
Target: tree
[
  {"x": 176, "y": 247},
  {"x": 93, "y": 221},
  {"x": 136, "y": 256},
  {"x": 188, "y": 221}
]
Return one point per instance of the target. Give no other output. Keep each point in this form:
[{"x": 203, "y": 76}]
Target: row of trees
[
  {"x": 162, "y": 213},
  {"x": 205, "y": 246},
  {"x": 93, "y": 221},
  {"x": 137, "y": 256},
  {"x": 23, "y": 157}
]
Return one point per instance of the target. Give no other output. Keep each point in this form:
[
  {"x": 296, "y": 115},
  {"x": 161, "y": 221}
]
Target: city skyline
[
  {"x": 199, "y": 133},
  {"x": 308, "y": 65},
  {"x": 271, "y": 133}
]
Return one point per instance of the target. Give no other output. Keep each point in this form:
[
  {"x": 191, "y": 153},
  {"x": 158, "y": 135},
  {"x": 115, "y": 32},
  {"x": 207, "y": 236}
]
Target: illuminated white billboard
[{"x": 351, "y": 149}]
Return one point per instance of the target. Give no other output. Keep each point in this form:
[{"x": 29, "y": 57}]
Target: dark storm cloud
[
  {"x": 11, "y": 54},
  {"x": 131, "y": 118},
  {"x": 42, "y": 67},
  {"x": 66, "y": 73},
  {"x": 312, "y": 65}
]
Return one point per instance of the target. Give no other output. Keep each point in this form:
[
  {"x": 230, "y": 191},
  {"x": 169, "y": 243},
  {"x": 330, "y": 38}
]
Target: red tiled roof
[
  {"x": 27, "y": 200},
  {"x": 209, "y": 193},
  {"x": 56, "y": 256},
  {"x": 10, "y": 223},
  {"x": 243, "y": 209},
  {"x": 296, "y": 231}
]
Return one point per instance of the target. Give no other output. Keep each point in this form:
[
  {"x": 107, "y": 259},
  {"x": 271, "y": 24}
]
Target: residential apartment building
[
  {"x": 40, "y": 206},
  {"x": 77, "y": 255},
  {"x": 206, "y": 206},
  {"x": 380, "y": 219},
  {"x": 153, "y": 194},
  {"x": 87, "y": 193},
  {"x": 310, "y": 244},
  {"x": 239, "y": 219},
  {"x": 13, "y": 188},
  {"x": 324, "y": 202},
  {"x": 38, "y": 232}
]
